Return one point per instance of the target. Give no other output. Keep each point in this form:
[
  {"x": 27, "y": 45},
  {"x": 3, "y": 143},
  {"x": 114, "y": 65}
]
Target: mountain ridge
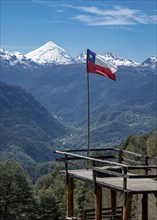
[
  {"x": 127, "y": 106},
  {"x": 52, "y": 54},
  {"x": 26, "y": 126}
]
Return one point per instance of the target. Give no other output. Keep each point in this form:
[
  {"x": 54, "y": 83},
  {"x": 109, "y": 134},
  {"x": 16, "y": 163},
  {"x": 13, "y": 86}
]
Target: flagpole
[{"x": 88, "y": 94}]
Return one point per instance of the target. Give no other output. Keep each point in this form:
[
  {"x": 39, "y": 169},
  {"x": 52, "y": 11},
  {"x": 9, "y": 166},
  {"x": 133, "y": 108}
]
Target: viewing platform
[{"x": 118, "y": 170}]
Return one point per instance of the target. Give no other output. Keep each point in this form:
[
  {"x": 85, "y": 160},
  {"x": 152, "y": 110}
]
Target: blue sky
[{"x": 125, "y": 28}]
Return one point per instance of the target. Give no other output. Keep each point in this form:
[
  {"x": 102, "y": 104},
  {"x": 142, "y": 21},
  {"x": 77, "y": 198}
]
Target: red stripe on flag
[{"x": 93, "y": 68}]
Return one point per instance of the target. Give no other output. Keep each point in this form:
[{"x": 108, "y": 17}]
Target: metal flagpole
[
  {"x": 88, "y": 94},
  {"x": 88, "y": 115}
]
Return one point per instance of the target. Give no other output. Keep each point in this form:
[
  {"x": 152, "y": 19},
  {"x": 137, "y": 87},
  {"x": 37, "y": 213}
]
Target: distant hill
[
  {"x": 27, "y": 129},
  {"x": 143, "y": 144},
  {"x": 118, "y": 109}
]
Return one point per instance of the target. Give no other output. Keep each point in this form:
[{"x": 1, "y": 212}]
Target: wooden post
[
  {"x": 120, "y": 156},
  {"x": 98, "y": 203},
  {"x": 113, "y": 195},
  {"x": 145, "y": 207},
  {"x": 70, "y": 204},
  {"x": 127, "y": 207}
]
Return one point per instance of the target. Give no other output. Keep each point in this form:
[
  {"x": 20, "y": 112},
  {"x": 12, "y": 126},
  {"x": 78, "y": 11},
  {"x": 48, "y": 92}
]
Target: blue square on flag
[{"x": 91, "y": 56}]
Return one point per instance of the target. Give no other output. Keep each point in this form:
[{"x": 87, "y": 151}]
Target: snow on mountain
[
  {"x": 14, "y": 58},
  {"x": 81, "y": 58},
  {"x": 111, "y": 58},
  {"x": 115, "y": 60},
  {"x": 151, "y": 62},
  {"x": 50, "y": 53}
]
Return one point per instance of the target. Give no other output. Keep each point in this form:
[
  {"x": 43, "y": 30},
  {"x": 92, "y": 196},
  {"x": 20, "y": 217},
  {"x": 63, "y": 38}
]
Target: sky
[{"x": 126, "y": 28}]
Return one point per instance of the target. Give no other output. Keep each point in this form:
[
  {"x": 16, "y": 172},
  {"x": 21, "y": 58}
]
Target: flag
[{"x": 96, "y": 64}]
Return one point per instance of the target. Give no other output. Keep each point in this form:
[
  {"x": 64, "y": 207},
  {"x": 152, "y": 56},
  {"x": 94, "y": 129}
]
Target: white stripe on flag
[{"x": 103, "y": 63}]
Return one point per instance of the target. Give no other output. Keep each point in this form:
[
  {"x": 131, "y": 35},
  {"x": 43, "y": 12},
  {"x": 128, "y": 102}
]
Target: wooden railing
[
  {"x": 116, "y": 163},
  {"x": 108, "y": 213}
]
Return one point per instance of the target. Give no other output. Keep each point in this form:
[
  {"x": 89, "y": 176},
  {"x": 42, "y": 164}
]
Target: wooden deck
[
  {"x": 115, "y": 169},
  {"x": 135, "y": 186}
]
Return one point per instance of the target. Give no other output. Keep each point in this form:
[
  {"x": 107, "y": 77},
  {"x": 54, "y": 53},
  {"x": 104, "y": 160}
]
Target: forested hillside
[
  {"x": 27, "y": 129},
  {"x": 41, "y": 191},
  {"x": 118, "y": 109}
]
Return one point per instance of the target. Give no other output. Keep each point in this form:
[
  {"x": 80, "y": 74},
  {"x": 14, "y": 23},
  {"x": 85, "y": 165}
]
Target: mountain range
[
  {"x": 58, "y": 81},
  {"x": 51, "y": 53}
]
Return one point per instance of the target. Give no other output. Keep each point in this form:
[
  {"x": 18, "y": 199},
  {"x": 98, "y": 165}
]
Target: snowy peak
[
  {"x": 13, "y": 58},
  {"x": 50, "y": 53},
  {"x": 109, "y": 57},
  {"x": 151, "y": 62},
  {"x": 115, "y": 60},
  {"x": 81, "y": 58}
]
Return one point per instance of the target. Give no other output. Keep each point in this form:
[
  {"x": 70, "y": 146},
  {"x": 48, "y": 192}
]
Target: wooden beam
[
  {"x": 70, "y": 203},
  {"x": 145, "y": 207},
  {"x": 98, "y": 202},
  {"x": 113, "y": 195},
  {"x": 127, "y": 207}
]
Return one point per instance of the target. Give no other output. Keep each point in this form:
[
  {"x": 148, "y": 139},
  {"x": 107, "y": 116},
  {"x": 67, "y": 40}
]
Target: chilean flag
[{"x": 96, "y": 64}]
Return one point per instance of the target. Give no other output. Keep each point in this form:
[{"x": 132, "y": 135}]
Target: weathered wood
[
  {"x": 98, "y": 203},
  {"x": 116, "y": 178},
  {"x": 146, "y": 163},
  {"x": 70, "y": 203},
  {"x": 145, "y": 207},
  {"x": 135, "y": 186},
  {"x": 106, "y": 213},
  {"x": 132, "y": 153},
  {"x": 127, "y": 207},
  {"x": 91, "y": 159},
  {"x": 120, "y": 156},
  {"x": 124, "y": 178},
  {"x": 132, "y": 161},
  {"x": 91, "y": 149},
  {"x": 113, "y": 196}
]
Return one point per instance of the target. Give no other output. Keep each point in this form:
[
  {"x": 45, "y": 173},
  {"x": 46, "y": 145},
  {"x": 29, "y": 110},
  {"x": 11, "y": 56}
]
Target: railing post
[
  {"x": 66, "y": 168},
  {"x": 94, "y": 180},
  {"x": 124, "y": 178},
  {"x": 120, "y": 156},
  {"x": 113, "y": 195},
  {"x": 145, "y": 207},
  {"x": 146, "y": 163},
  {"x": 127, "y": 206},
  {"x": 70, "y": 203},
  {"x": 98, "y": 203}
]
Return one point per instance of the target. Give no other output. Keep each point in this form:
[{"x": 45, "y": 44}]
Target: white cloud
[{"x": 118, "y": 15}]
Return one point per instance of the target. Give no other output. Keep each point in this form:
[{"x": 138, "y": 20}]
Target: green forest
[{"x": 39, "y": 191}]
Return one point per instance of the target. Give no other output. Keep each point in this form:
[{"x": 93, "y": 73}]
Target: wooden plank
[
  {"x": 91, "y": 159},
  {"x": 98, "y": 203},
  {"x": 136, "y": 186},
  {"x": 92, "y": 149},
  {"x": 132, "y": 161},
  {"x": 132, "y": 153},
  {"x": 70, "y": 203}
]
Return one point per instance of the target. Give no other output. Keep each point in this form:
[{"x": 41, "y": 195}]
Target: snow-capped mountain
[
  {"x": 110, "y": 57},
  {"x": 14, "y": 58},
  {"x": 81, "y": 58},
  {"x": 151, "y": 62},
  {"x": 115, "y": 60},
  {"x": 50, "y": 53}
]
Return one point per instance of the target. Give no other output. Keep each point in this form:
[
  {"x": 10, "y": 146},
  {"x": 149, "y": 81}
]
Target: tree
[
  {"x": 16, "y": 200},
  {"x": 47, "y": 204}
]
